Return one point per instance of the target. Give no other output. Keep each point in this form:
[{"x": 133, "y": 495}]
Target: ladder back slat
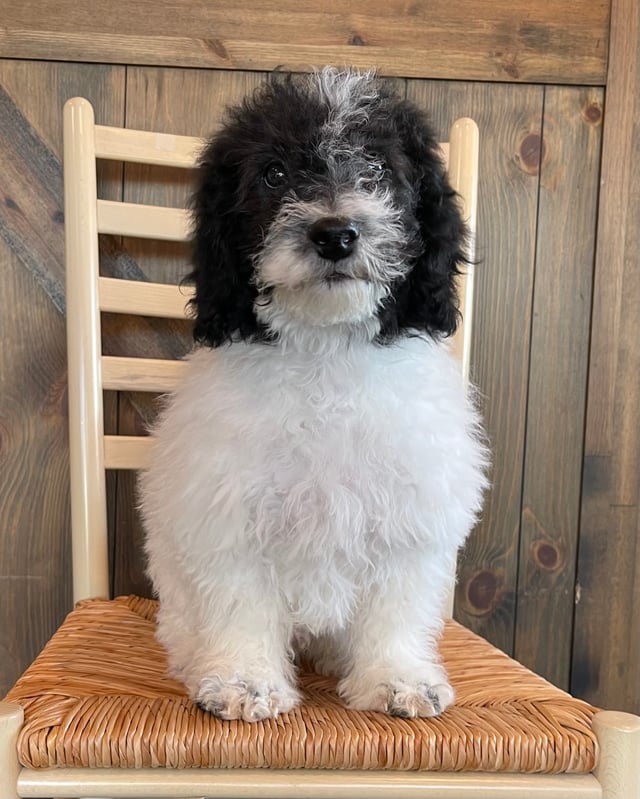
[
  {"x": 144, "y": 147},
  {"x": 127, "y": 452},
  {"x": 141, "y": 374},
  {"x": 143, "y": 221},
  {"x": 144, "y": 299}
]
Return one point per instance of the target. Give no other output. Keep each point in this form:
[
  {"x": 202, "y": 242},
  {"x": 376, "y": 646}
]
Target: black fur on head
[{"x": 327, "y": 133}]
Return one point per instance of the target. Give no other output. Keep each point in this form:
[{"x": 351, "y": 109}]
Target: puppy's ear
[
  {"x": 222, "y": 267},
  {"x": 430, "y": 299}
]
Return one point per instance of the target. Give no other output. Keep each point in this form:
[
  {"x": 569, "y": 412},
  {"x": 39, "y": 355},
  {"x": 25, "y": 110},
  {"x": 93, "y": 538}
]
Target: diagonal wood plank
[{"x": 31, "y": 218}]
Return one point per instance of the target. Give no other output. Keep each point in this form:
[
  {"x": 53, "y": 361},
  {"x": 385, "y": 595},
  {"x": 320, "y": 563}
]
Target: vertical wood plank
[
  {"x": 509, "y": 118},
  {"x": 606, "y": 659},
  {"x": 179, "y": 101},
  {"x": 565, "y": 244},
  {"x": 34, "y": 507},
  {"x": 35, "y": 579}
]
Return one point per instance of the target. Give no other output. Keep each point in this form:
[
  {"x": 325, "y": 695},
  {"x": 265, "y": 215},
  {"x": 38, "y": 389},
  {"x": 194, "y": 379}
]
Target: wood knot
[
  {"x": 511, "y": 70},
  {"x": 482, "y": 591},
  {"x": 531, "y": 153},
  {"x": 217, "y": 48},
  {"x": 592, "y": 113},
  {"x": 357, "y": 41},
  {"x": 507, "y": 62},
  {"x": 546, "y": 555}
]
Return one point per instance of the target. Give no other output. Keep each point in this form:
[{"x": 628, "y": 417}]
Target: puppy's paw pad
[
  {"x": 246, "y": 699},
  {"x": 405, "y": 699}
]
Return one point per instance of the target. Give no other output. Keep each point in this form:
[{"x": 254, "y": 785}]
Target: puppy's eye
[{"x": 275, "y": 177}]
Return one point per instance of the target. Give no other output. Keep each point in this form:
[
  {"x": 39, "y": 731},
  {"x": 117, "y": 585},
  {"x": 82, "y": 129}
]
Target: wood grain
[
  {"x": 510, "y": 120},
  {"x": 35, "y": 586},
  {"x": 142, "y": 298},
  {"x": 606, "y": 661},
  {"x": 565, "y": 243},
  {"x": 521, "y": 40},
  {"x": 34, "y": 562},
  {"x": 141, "y": 374}
]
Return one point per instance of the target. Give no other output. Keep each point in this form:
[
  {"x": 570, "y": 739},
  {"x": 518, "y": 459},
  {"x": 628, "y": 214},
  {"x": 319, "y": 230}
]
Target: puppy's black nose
[{"x": 334, "y": 237}]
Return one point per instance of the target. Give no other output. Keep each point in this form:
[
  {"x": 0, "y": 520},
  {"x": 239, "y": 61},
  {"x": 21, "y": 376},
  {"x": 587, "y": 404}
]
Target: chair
[{"x": 96, "y": 715}]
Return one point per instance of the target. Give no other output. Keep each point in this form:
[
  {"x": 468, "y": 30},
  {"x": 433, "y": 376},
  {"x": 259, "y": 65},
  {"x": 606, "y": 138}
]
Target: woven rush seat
[{"x": 99, "y": 696}]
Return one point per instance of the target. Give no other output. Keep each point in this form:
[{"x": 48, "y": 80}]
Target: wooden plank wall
[
  {"x": 541, "y": 136},
  {"x": 607, "y": 622}
]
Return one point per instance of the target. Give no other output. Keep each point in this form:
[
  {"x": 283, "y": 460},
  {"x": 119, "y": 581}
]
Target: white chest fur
[{"x": 321, "y": 465}]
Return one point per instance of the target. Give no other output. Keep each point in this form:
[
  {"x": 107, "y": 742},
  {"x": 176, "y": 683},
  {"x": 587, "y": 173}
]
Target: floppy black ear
[
  {"x": 428, "y": 300},
  {"x": 222, "y": 267}
]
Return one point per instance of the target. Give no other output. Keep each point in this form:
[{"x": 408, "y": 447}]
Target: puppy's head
[{"x": 323, "y": 203}]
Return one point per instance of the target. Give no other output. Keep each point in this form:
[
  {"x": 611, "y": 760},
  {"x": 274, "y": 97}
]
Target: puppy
[{"x": 321, "y": 464}]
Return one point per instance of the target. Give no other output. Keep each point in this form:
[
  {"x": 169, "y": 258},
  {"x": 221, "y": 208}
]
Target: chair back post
[
  {"x": 463, "y": 175},
  {"x": 86, "y": 427},
  {"x": 461, "y": 156}
]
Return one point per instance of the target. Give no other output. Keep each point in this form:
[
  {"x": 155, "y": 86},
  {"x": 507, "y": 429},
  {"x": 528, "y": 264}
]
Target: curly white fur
[{"x": 324, "y": 491}]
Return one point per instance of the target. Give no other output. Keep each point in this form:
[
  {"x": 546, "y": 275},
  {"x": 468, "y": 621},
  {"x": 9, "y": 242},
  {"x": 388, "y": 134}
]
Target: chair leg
[
  {"x": 618, "y": 769},
  {"x": 11, "y": 718}
]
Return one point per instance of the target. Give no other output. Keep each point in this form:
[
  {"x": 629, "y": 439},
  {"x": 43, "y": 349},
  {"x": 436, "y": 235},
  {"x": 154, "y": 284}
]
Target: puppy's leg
[
  {"x": 228, "y": 641},
  {"x": 393, "y": 662}
]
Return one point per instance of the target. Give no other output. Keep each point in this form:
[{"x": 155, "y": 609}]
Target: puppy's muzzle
[{"x": 334, "y": 237}]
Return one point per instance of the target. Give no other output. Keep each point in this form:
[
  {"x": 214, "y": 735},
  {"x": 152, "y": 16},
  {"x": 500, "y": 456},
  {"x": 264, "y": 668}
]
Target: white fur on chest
[{"x": 320, "y": 466}]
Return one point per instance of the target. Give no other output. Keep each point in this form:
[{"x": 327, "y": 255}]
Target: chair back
[{"x": 89, "y": 294}]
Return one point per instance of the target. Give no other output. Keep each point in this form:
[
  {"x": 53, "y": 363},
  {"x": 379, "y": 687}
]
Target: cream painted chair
[{"x": 96, "y": 715}]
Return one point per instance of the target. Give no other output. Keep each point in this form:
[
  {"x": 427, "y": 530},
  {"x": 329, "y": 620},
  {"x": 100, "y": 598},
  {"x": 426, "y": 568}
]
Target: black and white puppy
[{"x": 321, "y": 464}]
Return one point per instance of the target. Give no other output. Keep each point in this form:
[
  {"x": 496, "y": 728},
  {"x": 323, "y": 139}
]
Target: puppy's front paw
[
  {"x": 399, "y": 697},
  {"x": 247, "y": 699}
]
